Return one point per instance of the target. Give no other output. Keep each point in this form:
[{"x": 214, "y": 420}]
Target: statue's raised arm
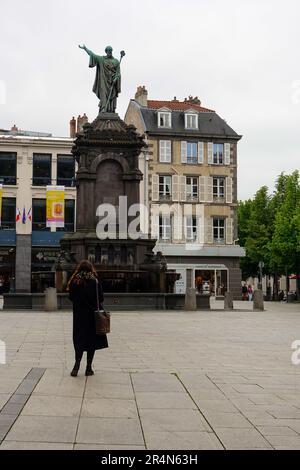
[
  {"x": 107, "y": 84},
  {"x": 90, "y": 53}
]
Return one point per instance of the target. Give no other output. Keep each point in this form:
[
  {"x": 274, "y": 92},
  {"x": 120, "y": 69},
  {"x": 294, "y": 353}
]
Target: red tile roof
[{"x": 177, "y": 106}]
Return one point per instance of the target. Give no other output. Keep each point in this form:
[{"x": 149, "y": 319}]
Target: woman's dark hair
[{"x": 83, "y": 267}]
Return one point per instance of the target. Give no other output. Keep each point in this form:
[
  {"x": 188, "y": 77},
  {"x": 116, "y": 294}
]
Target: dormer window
[
  {"x": 191, "y": 120},
  {"x": 164, "y": 119}
]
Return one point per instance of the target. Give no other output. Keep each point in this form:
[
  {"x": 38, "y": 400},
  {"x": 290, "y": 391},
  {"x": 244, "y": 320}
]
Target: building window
[
  {"x": 191, "y": 228},
  {"x": 192, "y": 153},
  {"x": 65, "y": 170},
  {"x": 8, "y": 168},
  {"x": 218, "y": 154},
  {"x": 41, "y": 169},
  {"x": 165, "y": 227},
  {"x": 69, "y": 217},
  {"x": 219, "y": 230},
  {"x": 219, "y": 188},
  {"x": 8, "y": 218},
  {"x": 165, "y": 152},
  {"x": 192, "y": 187},
  {"x": 39, "y": 215},
  {"x": 164, "y": 119},
  {"x": 191, "y": 121},
  {"x": 165, "y": 187}
]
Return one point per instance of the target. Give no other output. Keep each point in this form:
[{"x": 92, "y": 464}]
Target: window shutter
[
  {"x": 155, "y": 221},
  {"x": 202, "y": 189},
  {"x": 177, "y": 228},
  {"x": 209, "y": 189},
  {"x": 200, "y": 152},
  {"x": 183, "y": 151},
  {"x": 229, "y": 231},
  {"x": 182, "y": 188},
  {"x": 155, "y": 187},
  {"x": 175, "y": 188},
  {"x": 229, "y": 190},
  {"x": 227, "y": 153},
  {"x": 210, "y": 148},
  {"x": 200, "y": 230},
  {"x": 165, "y": 151},
  {"x": 168, "y": 151},
  {"x": 209, "y": 230}
]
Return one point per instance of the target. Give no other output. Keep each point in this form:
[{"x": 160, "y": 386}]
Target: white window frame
[
  {"x": 192, "y": 160},
  {"x": 191, "y": 228},
  {"x": 218, "y": 162},
  {"x": 220, "y": 230},
  {"x": 165, "y": 227},
  {"x": 165, "y": 151},
  {"x": 164, "y": 194},
  {"x": 165, "y": 116},
  {"x": 191, "y": 117},
  {"x": 217, "y": 186},
  {"x": 190, "y": 186}
]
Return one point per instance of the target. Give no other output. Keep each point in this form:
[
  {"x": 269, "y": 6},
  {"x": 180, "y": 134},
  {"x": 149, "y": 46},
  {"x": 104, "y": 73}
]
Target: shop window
[
  {"x": 39, "y": 214},
  {"x": 65, "y": 170},
  {"x": 41, "y": 169},
  {"x": 8, "y": 217},
  {"x": 69, "y": 217},
  {"x": 8, "y": 168}
]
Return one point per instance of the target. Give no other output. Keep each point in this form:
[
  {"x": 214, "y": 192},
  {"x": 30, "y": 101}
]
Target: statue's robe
[{"x": 106, "y": 70}]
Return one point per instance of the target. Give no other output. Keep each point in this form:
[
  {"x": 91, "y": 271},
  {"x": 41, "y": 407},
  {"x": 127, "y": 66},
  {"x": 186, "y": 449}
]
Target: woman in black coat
[{"x": 82, "y": 291}]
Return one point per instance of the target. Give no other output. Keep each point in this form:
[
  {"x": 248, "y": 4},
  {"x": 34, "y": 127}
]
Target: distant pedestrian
[
  {"x": 250, "y": 292},
  {"x": 244, "y": 292},
  {"x": 82, "y": 292}
]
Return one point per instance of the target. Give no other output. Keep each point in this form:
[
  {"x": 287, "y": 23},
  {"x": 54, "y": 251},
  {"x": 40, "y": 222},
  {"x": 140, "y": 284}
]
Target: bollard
[
  {"x": 228, "y": 301},
  {"x": 190, "y": 299},
  {"x": 258, "y": 300},
  {"x": 50, "y": 299}
]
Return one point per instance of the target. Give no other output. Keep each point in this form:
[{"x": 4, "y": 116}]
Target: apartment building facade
[
  {"x": 190, "y": 190},
  {"x": 29, "y": 161}
]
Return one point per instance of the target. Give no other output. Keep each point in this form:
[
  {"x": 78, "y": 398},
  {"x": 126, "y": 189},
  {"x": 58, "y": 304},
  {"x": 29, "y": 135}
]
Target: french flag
[
  {"x": 24, "y": 216},
  {"x": 29, "y": 214},
  {"x": 18, "y": 215}
]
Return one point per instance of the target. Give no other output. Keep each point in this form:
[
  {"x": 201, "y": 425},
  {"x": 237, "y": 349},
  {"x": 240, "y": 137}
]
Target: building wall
[
  {"x": 24, "y": 192},
  {"x": 176, "y": 167}
]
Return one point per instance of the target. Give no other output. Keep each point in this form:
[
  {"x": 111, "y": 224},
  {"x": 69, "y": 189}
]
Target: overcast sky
[{"x": 241, "y": 57}]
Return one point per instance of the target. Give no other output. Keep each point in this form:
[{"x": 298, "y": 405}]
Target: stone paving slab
[{"x": 205, "y": 380}]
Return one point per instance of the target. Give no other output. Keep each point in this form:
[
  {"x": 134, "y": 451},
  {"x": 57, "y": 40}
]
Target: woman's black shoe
[
  {"x": 89, "y": 371},
  {"x": 74, "y": 371}
]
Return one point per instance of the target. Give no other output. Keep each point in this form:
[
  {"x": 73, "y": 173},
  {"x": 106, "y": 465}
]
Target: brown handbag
[{"x": 102, "y": 318}]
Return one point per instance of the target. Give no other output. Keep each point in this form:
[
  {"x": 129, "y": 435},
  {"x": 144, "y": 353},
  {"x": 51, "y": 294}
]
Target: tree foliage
[{"x": 269, "y": 228}]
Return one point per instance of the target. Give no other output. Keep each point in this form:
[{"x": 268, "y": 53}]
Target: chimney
[
  {"x": 81, "y": 120},
  {"x": 73, "y": 127},
  {"x": 192, "y": 100},
  {"x": 141, "y": 95},
  {"x": 84, "y": 119},
  {"x": 14, "y": 129}
]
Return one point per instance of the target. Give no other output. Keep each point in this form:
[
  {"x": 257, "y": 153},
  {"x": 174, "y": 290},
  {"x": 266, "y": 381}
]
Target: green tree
[{"x": 284, "y": 249}]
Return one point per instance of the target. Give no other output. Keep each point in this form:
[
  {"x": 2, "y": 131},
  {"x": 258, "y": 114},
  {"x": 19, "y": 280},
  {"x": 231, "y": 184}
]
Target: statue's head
[{"x": 108, "y": 51}]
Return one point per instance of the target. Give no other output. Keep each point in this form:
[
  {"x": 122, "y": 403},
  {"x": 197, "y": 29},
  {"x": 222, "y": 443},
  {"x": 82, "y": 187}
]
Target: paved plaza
[{"x": 170, "y": 380}]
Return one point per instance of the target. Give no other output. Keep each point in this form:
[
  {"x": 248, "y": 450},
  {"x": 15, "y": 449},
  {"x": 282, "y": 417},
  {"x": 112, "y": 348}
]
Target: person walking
[
  {"x": 250, "y": 292},
  {"x": 82, "y": 292}
]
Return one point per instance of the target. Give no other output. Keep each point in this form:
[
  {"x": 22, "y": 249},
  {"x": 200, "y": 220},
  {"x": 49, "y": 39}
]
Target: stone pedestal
[
  {"x": 258, "y": 300},
  {"x": 108, "y": 178},
  {"x": 50, "y": 299},
  {"x": 228, "y": 301}
]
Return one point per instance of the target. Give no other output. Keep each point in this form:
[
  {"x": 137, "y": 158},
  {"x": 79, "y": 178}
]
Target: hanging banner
[
  {"x": 1, "y": 193},
  {"x": 55, "y": 206}
]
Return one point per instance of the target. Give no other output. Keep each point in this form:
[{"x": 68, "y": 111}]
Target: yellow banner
[
  {"x": 55, "y": 206},
  {"x": 1, "y": 194}
]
